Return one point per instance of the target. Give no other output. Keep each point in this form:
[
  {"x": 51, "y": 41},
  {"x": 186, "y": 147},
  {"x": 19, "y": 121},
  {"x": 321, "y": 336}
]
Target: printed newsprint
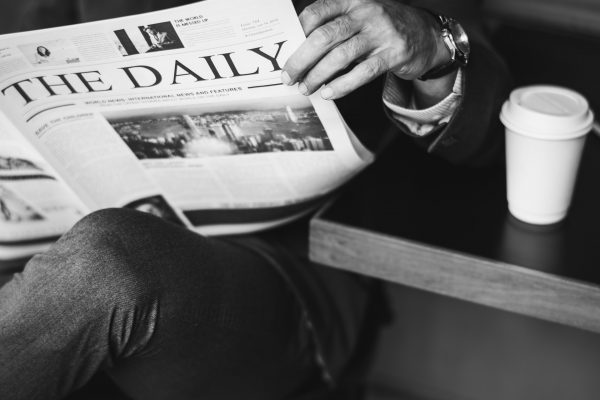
[{"x": 181, "y": 113}]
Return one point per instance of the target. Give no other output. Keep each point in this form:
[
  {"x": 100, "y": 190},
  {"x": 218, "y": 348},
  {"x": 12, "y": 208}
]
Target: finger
[
  {"x": 319, "y": 12},
  {"x": 338, "y": 59},
  {"x": 318, "y": 43},
  {"x": 360, "y": 75}
]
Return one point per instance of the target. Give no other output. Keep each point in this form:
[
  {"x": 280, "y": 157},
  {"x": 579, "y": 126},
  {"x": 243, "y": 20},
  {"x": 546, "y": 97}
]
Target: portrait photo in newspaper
[
  {"x": 50, "y": 53},
  {"x": 147, "y": 38}
]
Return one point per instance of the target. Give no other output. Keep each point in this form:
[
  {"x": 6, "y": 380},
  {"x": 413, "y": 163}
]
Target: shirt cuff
[{"x": 420, "y": 122}]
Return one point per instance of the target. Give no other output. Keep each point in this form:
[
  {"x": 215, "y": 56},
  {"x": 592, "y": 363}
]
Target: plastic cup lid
[{"x": 547, "y": 112}]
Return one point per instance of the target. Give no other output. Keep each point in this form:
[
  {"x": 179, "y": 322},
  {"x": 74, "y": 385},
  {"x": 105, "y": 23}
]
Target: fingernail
[
  {"x": 302, "y": 88},
  {"x": 285, "y": 78},
  {"x": 327, "y": 93}
]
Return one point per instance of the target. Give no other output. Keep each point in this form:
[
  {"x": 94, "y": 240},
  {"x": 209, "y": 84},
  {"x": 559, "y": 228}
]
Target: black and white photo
[
  {"x": 9, "y": 163},
  {"x": 51, "y": 52},
  {"x": 147, "y": 38},
  {"x": 246, "y": 127},
  {"x": 14, "y": 209}
]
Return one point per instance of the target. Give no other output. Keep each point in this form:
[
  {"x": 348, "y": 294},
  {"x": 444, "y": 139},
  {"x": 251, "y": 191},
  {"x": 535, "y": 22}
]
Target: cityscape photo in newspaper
[{"x": 239, "y": 128}]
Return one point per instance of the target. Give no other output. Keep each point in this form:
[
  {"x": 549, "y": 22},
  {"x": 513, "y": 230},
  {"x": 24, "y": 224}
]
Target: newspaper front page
[{"x": 181, "y": 113}]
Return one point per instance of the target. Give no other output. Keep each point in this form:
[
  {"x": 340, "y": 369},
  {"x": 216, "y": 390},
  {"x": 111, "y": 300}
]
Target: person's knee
[
  {"x": 120, "y": 223},
  {"x": 96, "y": 256},
  {"x": 94, "y": 287}
]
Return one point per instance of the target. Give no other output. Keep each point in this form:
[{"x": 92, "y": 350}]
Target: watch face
[{"x": 460, "y": 38}]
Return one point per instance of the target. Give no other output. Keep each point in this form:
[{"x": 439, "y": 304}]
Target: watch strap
[{"x": 451, "y": 65}]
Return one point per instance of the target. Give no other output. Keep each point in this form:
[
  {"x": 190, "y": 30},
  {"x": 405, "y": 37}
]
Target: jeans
[{"x": 167, "y": 313}]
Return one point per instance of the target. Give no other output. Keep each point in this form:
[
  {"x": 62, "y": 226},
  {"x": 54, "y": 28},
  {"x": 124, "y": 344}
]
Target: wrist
[
  {"x": 441, "y": 54},
  {"x": 430, "y": 92},
  {"x": 433, "y": 51},
  {"x": 427, "y": 93},
  {"x": 454, "y": 37}
]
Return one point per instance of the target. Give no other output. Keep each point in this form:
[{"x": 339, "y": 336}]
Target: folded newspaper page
[
  {"x": 181, "y": 113},
  {"x": 35, "y": 205}
]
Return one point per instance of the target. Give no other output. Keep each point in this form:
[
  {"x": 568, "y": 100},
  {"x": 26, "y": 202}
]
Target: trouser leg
[{"x": 168, "y": 313}]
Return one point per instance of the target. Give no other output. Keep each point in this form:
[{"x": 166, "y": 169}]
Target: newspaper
[
  {"x": 36, "y": 206},
  {"x": 181, "y": 113}
]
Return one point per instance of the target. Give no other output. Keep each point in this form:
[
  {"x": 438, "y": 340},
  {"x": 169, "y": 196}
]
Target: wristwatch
[{"x": 456, "y": 40}]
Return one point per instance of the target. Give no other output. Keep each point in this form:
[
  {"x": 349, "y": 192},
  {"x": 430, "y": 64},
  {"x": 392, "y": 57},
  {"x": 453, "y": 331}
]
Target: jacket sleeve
[{"x": 474, "y": 134}]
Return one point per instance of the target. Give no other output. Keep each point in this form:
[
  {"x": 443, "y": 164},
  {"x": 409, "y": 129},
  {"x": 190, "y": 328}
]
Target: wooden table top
[{"x": 418, "y": 221}]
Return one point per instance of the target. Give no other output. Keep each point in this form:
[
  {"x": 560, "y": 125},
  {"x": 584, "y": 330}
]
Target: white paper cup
[{"x": 545, "y": 134}]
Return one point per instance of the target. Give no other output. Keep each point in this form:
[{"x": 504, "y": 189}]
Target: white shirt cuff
[{"x": 421, "y": 122}]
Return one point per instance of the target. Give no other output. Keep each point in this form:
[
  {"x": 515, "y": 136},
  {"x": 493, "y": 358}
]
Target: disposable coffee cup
[{"x": 546, "y": 128}]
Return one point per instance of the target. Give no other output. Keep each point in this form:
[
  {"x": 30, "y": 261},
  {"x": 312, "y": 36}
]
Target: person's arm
[
  {"x": 350, "y": 42},
  {"x": 472, "y": 134},
  {"x": 371, "y": 37},
  {"x": 404, "y": 104}
]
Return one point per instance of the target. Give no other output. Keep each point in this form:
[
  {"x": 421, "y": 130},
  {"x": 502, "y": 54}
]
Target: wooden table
[{"x": 418, "y": 221}]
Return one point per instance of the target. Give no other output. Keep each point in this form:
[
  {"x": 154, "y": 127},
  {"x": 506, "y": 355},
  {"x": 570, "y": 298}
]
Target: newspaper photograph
[
  {"x": 146, "y": 38},
  {"x": 289, "y": 124},
  {"x": 35, "y": 205},
  {"x": 50, "y": 53},
  {"x": 184, "y": 105}
]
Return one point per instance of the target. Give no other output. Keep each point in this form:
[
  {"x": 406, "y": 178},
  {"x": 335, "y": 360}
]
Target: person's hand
[{"x": 369, "y": 36}]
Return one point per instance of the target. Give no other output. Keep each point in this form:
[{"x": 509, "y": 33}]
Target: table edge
[{"x": 464, "y": 276}]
